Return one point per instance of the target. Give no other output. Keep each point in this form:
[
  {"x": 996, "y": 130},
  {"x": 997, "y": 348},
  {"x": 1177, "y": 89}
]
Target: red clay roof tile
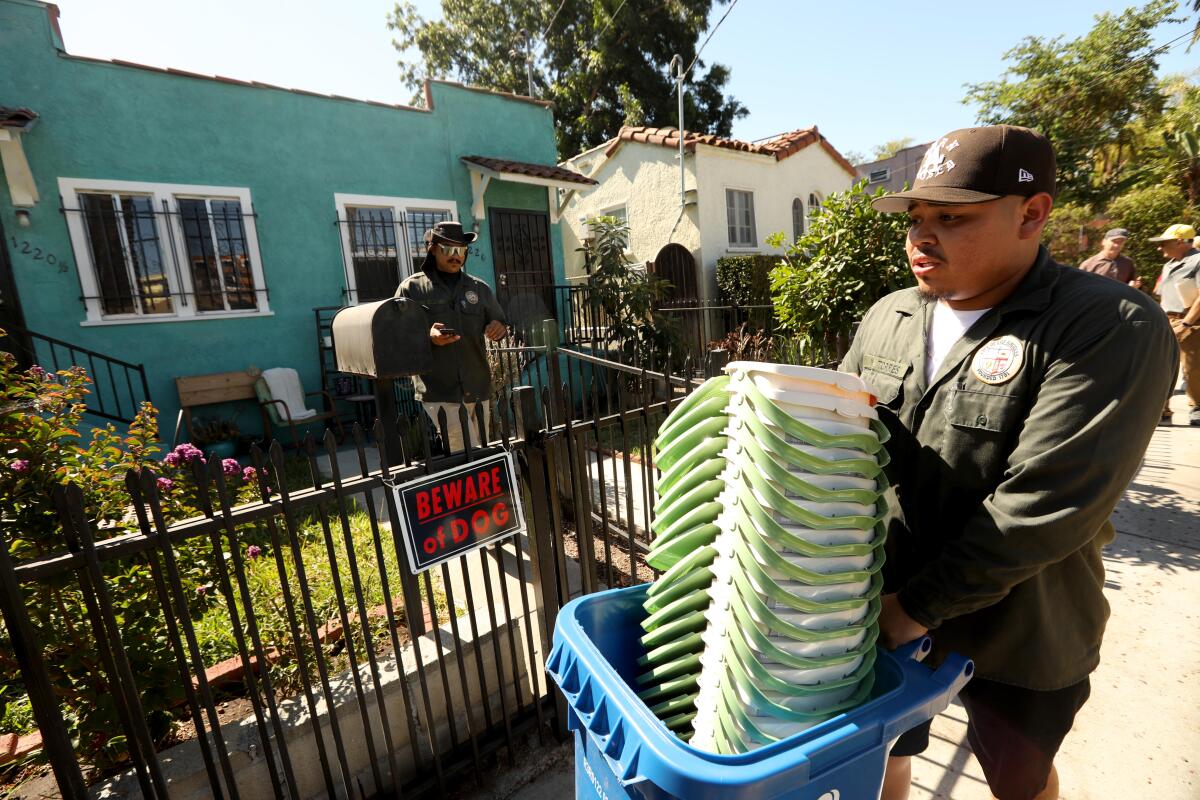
[{"x": 778, "y": 147}]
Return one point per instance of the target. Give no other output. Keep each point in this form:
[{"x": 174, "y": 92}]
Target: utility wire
[
  {"x": 609, "y": 24},
  {"x": 550, "y": 24},
  {"x": 707, "y": 40}
]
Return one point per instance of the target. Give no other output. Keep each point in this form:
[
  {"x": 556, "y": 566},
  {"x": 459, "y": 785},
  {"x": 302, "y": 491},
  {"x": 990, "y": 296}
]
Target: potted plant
[{"x": 218, "y": 438}]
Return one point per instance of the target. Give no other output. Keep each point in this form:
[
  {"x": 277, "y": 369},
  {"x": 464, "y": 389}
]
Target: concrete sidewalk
[{"x": 1139, "y": 734}]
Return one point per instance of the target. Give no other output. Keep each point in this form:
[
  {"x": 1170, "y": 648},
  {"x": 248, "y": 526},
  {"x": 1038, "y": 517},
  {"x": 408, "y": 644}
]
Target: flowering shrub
[{"x": 40, "y": 449}]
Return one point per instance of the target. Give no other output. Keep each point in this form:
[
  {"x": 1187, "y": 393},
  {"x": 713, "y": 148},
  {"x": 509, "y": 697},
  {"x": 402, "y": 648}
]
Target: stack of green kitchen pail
[{"x": 768, "y": 531}]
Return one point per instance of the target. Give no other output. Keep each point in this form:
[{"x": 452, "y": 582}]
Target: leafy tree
[
  {"x": 627, "y": 298},
  {"x": 603, "y": 62},
  {"x": 1071, "y": 234},
  {"x": 1084, "y": 94},
  {"x": 891, "y": 147},
  {"x": 1146, "y": 212},
  {"x": 851, "y": 256}
]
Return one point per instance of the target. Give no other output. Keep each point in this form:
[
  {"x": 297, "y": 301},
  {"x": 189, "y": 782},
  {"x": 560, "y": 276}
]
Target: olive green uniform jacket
[
  {"x": 1005, "y": 489},
  {"x": 460, "y": 370}
]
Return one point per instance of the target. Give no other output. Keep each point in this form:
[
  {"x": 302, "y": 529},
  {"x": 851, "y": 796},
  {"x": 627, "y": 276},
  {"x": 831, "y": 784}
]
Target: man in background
[
  {"x": 1110, "y": 263},
  {"x": 1179, "y": 293},
  {"x": 462, "y": 312}
]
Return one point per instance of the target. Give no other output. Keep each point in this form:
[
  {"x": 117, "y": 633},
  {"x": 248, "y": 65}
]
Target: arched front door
[{"x": 674, "y": 263}]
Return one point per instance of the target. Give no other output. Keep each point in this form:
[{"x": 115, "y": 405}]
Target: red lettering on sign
[
  {"x": 459, "y": 530},
  {"x": 479, "y": 521},
  {"x": 500, "y": 514},
  {"x": 484, "y": 484},
  {"x": 453, "y": 494},
  {"x": 423, "y": 505},
  {"x": 469, "y": 493},
  {"x": 430, "y": 545},
  {"x": 496, "y": 482},
  {"x": 436, "y": 495}
]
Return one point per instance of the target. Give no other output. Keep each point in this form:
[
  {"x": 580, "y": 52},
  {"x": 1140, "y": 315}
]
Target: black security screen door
[{"x": 524, "y": 266}]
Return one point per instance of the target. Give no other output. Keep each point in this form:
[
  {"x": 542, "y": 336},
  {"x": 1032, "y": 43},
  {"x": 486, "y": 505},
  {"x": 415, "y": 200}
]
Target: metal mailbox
[{"x": 385, "y": 339}]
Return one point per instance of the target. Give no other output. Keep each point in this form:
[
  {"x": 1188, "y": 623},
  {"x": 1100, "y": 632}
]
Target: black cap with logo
[{"x": 974, "y": 165}]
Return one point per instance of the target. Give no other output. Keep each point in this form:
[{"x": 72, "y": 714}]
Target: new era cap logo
[{"x": 1024, "y": 176}]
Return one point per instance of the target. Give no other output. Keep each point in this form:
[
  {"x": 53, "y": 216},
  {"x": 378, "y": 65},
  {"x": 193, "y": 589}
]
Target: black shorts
[{"x": 1014, "y": 732}]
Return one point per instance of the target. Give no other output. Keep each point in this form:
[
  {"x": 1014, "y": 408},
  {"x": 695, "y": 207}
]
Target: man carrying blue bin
[{"x": 1020, "y": 395}]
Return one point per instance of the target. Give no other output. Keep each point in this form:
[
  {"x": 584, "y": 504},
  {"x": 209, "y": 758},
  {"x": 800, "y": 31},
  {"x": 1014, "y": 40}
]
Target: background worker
[
  {"x": 1020, "y": 395},
  {"x": 1110, "y": 263},
  {"x": 462, "y": 312},
  {"x": 1179, "y": 293}
]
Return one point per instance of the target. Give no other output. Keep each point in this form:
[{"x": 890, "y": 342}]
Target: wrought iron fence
[{"x": 391, "y": 684}]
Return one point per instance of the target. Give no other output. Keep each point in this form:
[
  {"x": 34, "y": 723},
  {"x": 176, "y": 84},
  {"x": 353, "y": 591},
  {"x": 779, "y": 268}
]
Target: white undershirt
[{"x": 946, "y": 326}]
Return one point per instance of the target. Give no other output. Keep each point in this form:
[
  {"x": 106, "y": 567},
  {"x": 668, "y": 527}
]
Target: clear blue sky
[{"x": 865, "y": 72}]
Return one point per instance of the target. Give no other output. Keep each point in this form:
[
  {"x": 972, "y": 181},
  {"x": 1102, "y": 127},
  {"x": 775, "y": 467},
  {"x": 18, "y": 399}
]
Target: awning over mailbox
[{"x": 484, "y": 169}]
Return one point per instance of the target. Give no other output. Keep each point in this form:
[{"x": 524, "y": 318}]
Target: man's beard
[{"x": 930, "y": 296}]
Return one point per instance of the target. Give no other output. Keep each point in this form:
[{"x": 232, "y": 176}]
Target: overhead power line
[{"x": 707, "y": 39}]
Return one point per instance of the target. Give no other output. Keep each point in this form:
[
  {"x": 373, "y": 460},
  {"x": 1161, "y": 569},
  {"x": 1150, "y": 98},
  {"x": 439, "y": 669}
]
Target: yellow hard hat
[{"x": 1177, "y": 231}]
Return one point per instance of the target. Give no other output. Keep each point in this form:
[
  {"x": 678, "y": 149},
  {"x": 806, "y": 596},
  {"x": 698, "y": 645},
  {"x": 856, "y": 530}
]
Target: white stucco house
[{"x": 736, "y": 194}]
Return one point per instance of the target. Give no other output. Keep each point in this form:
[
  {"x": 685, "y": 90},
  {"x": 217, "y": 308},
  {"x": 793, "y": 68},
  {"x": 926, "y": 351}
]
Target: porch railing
[{"x": 118, "y": 388}]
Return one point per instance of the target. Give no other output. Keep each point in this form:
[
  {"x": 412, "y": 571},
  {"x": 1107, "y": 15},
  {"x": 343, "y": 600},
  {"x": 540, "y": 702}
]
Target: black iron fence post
[
  {"x": 541, "y": 535},
  {"x": 46, "y": 711}
]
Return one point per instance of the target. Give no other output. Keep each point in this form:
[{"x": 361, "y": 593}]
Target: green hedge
[{"x": 746, "y": 280}]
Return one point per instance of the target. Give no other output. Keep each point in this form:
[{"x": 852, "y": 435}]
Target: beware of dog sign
[{"x": 459, "y": 510}]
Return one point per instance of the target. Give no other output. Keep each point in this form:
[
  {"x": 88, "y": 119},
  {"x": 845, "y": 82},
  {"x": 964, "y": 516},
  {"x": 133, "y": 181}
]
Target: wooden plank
[{"x": 219, "y": 387}]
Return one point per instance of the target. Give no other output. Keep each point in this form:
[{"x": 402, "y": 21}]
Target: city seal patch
[
  {"x": 999, "y": 360},
  {"x": 472, "y": 297}
]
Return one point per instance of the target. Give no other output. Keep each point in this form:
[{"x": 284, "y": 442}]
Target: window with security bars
[
  {"x": 160, "y": 251},
  {"x": 797, "y": 218},
  {"x": 375, "y": 252},
  {"x": 123, "y": 241},
  {"x": 814, "y": 208},
  {"x": 739, "y": 212},
  {"x": 417, "y": 222},
  {"x": 218, "y": 259},
  {"x": 383, "y": 240}
]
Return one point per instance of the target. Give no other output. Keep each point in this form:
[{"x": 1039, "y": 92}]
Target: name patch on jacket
[
  {"x": 885, "y": 366},
  {"x": 999, "y": 360}
]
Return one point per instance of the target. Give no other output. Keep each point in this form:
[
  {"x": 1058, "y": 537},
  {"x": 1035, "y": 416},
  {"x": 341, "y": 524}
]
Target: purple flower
[
  {"x": 189, "y": 452},
  {"x": 37, "y": 372},
  {"x": 202, "y": 590},
  {"x": 19, "y": 465},
  {"x": 230, "y": 467},
  {"x": 253, "y": 551},
  {"x": 172, "y": 459},
  {"x": 165, "y": 484},
  {"x": 249, "y": 474}
]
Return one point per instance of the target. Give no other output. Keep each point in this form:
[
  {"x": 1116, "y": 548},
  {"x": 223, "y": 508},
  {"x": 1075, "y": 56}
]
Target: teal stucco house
[{"x": 194, "y": 224}]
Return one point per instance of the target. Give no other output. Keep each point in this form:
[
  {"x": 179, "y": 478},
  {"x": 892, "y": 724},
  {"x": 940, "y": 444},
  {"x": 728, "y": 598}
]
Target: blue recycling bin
[{"x": 624, "y": 751}]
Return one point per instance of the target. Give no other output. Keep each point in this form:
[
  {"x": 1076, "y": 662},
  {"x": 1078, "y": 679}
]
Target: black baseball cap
[{"x": 975, "y": 165}]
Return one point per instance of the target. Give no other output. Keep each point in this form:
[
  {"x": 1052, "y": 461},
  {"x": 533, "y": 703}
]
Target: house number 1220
[{"x": 25, "y": 248}]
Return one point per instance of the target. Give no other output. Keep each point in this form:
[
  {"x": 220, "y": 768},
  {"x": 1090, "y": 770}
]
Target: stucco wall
[
  {"x": 292, "y": 151},
  {"x": 774, "y": 183},
  {"x": 644, "y": 179}
]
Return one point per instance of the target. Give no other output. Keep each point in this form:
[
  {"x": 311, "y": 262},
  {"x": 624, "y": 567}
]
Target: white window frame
[
  {"x": 168, "y": 228},
  {"x": 753, "y": 220},
  {"x": 399, "y": 206}
]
